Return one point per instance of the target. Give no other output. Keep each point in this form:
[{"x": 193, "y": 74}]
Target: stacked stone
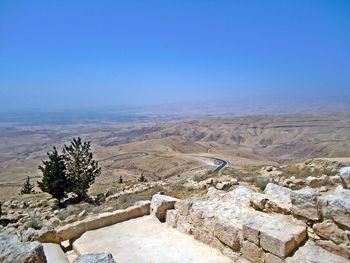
[{"x": 269, "y": 227}]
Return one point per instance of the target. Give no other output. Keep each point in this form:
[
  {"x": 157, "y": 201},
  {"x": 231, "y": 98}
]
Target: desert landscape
[
  {"x": 253, "y": 159},
  {"x": 165, "y": 150},
  {"x": 174, "y": 131}
]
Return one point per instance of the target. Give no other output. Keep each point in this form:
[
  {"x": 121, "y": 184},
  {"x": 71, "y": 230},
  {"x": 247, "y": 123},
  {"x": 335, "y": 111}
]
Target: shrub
[
  {"x": 261, "y": 182},
  {"x": 142, "y": 178},
  {"x": 34, "y": 223}
]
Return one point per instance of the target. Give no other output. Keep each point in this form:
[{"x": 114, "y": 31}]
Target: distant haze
[{"x": 64, "y": 54}]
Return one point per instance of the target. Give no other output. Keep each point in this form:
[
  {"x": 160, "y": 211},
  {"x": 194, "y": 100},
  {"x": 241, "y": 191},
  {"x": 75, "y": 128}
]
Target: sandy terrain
[{"x": 147, "y": 240}]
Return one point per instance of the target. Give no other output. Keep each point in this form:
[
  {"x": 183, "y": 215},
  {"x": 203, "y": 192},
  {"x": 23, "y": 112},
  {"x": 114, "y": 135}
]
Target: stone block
[
  {"x": 160, "y": 204},
  {"x": 252, "y": 252},
  {"x": 305, "y": 203},
  {"x": 227, "y": 234},
  {"x": 171, "y": 218}
]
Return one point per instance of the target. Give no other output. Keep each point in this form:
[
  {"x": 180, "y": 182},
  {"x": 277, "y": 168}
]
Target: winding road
[{"x": 217, "y": 169}]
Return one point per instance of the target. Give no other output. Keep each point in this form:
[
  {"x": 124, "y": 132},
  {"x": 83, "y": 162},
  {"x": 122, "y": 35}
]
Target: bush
[
  {"x": 34, "y": 223},
  {"x": 261, "y": 182},
  {"x": 27, "y": 187},
  {"x": 142, "y": 178}
]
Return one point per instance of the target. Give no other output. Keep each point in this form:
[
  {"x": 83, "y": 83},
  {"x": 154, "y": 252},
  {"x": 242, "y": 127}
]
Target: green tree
[
  {"x": 55, "y": 181},
  {"x": 27, "y": 187},
  {"x": 81, "y": 167}
]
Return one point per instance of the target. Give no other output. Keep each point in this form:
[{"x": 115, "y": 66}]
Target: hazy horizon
[{"x": 93, "y": 54}]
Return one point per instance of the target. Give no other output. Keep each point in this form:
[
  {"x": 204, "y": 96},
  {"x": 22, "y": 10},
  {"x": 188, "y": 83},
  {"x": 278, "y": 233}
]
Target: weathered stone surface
[
  {"x": 329, "y": 230},
  {"x": 314, "y": 181},
  {"x": 12, "y": 250},
  {"x": 251, "y": 232},
  {"x": 186, "y": 228},
  {"x": 160, "y": 204},
  {"x": 305, "y": 203},
  {"x": 310, "y": 253},
  {"x": 227, "y": 234},
  {"x": 276, "y": 235},
  {"x": 258, "y": 201},
  {"x": 171, "y": 217},
  {"x": 341, "y": 250},
  {"x": 252, "y": 252},
  {"x": 336, "y": 206},
  {"x": 54, "y": 253},
  {"x": 183, "y": 207},
  {"x": 270, "y": 258},
  {"x": 278, "y": 198},
  {"x": 95, "y": 258}
]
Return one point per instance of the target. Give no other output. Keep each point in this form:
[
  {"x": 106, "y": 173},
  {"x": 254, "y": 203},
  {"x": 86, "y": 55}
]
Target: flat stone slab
[
  {"x": 146, "y": 240},
  {"x": 54, "y": 253}
]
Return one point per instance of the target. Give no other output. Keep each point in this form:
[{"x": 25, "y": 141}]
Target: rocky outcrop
[
  {"x": 12, "y": 250},
  {"x": 160, "y": 204},
  {"x": 95, "y": 258}
]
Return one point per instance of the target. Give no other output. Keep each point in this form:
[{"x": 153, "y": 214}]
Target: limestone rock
[
  {"x": 270, "y": 258},
  {"x": 160, "y": 204},
  {"x": 258, "y": 201},
  {"x": 171, "y": 217},
  {"x": 314, "y": 181},
  {"x": 227, "y": 234},
  {"x": 305, "y": 203},
  {"x": 336, "y": 206},
  {"x": 275, "y": 235},
  {"x": 183, "y": 207},
  {"x": 310, "y": 253},
  {"x": 278, "y": 198},
  {"x": 95, "y": 258},
  {"x": 329, "y": 230},
  {"x": 341, "y": 250},
  {"x": 12, "y": 250},
  {"x": 252, "y": 252}
]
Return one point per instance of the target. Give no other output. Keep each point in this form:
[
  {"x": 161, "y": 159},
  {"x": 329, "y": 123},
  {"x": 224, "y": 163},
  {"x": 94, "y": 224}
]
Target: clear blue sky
[{"x": 79, "y": 53}]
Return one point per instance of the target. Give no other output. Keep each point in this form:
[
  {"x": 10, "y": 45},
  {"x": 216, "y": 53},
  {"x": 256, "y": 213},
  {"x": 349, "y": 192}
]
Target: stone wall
[
  {"x": 271, "y": 226},
  {"x": 74, "y": 230}
]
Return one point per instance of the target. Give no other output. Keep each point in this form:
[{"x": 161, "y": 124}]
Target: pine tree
[
  {"x": 27, "y": 187},
  {"x": 81, "y": 167},
  {"x": 54, "y": 180}
]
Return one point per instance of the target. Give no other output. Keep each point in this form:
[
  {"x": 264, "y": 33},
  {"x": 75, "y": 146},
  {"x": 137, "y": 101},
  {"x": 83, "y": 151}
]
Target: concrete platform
[{"x": 144, "y": 240}]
